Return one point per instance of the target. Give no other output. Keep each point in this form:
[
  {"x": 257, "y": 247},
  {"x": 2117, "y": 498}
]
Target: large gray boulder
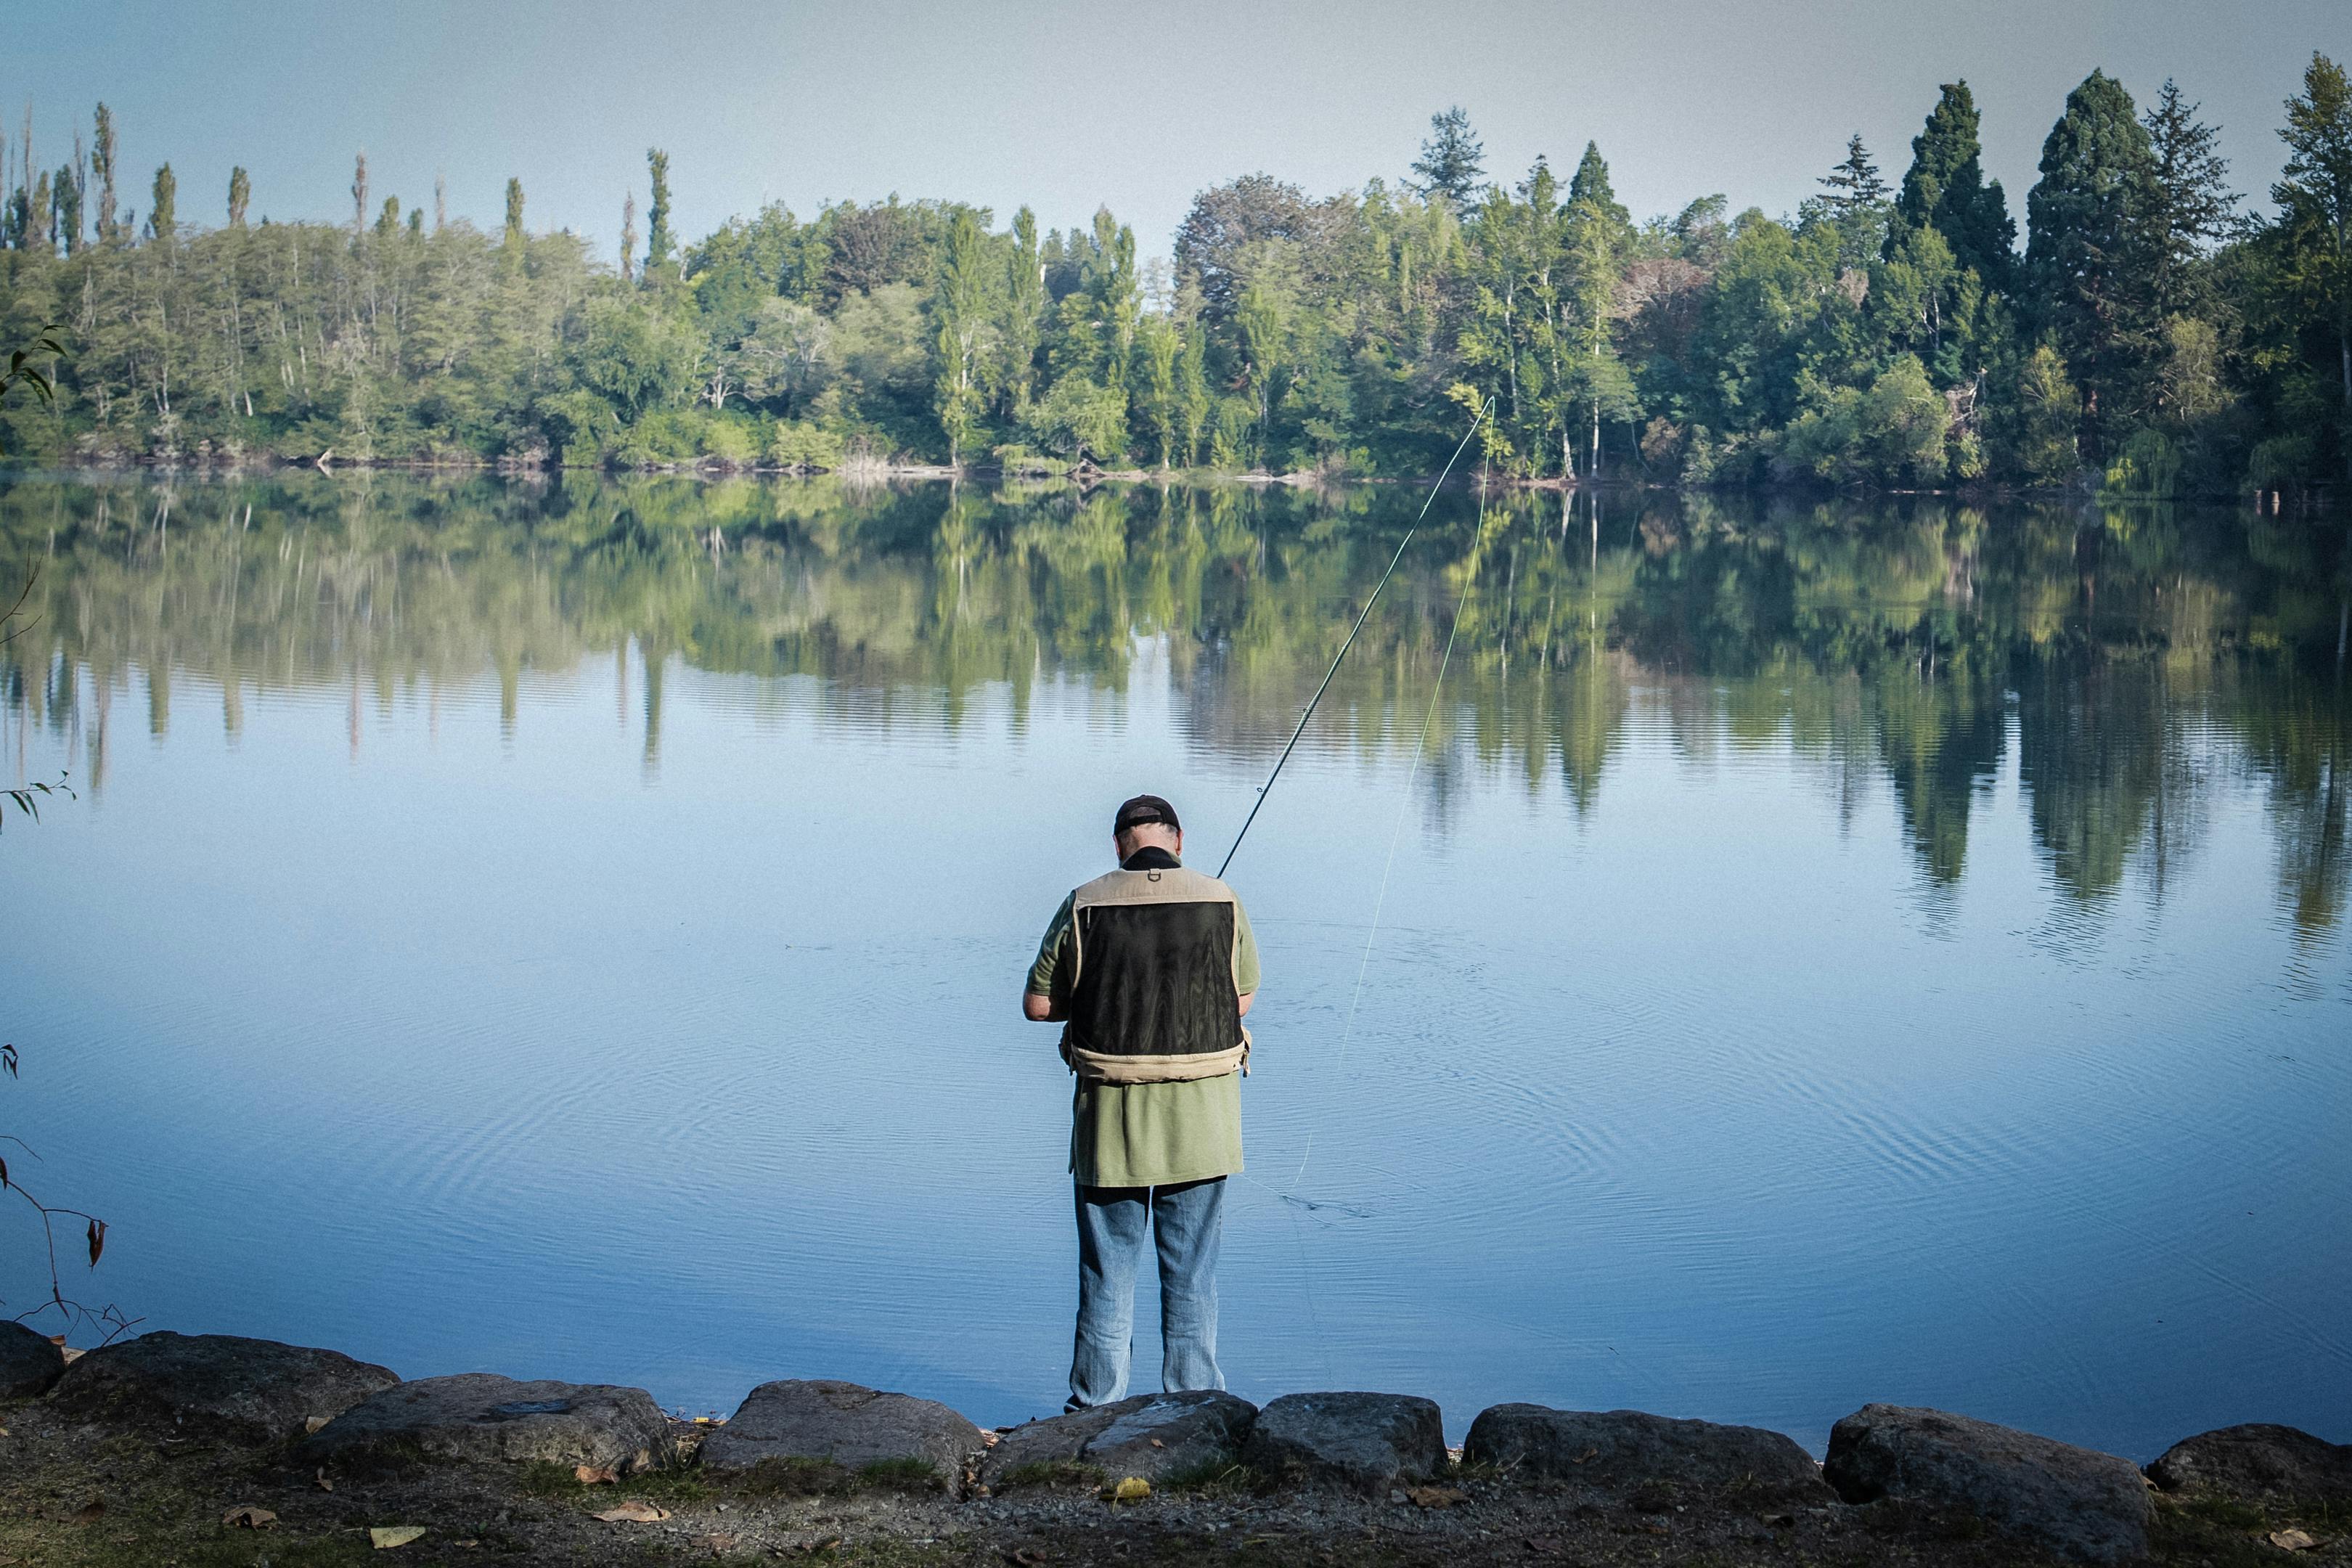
[
  {"x": 1368, "y": 1441},
  {"x": 1614, "y": 1453},
  {"x": 845, "y": 1423},
  {"x": 2072, "y": 1502},
  {"x": 29, "y": 1361},
  {"x": 1153, "y": 1436},
  {"x": 479, "y": 1416},
  {"x": 215, "y": 1385},
  {"x": 2257, "y": 1463}
]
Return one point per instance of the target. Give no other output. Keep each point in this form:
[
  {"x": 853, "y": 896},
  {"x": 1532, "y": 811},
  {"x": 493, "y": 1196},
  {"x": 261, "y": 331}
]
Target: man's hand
[
  {"x": 1248, "y": 997},
  {"x": 1041, "y": 1009}
]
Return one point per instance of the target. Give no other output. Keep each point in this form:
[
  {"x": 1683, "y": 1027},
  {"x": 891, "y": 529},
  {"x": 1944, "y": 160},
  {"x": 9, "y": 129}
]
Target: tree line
[{"x": 2149, "y": 336}]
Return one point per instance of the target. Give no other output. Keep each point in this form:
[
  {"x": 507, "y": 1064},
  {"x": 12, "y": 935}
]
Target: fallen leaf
[
  {"x": 312, "y": 1423},
  {"x": 720, "y": 1545},
  {"x": 384, "y": 1537},
  {"x": 468, "y": 1545},
  {"x": 321, "y": 1480},
  {"x": 1780, "y": 1520},
  {"x": 1134, "y": 1488},
  {"x": 1436, "y": 1497},
  {"x": 595, "y": 1475},
  {"x": 245, "y": 1516},
  {"x": 1158, "y": 1443},
  {"x": 70, "y": 1354},
  {"x": 634, "y": 1511},
  {"x": 1584, "y": 1456},
  {"x": 2292, "y": 1539},
  {"x": 91, "y": 1511},
  {"x": 827, "y": 1544}
]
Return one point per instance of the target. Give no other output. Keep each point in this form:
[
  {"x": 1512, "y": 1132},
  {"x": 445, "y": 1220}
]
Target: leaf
[
  {"x": 246, "y": 1516},
  {"x": 634, "y": 1511},
  {"x": 322, "y": 1481},
  {"x": 1134, "y": 1488},
  {"x": 384, "y": 1537},
  {"x": 596, "y": 1475},
  {"x": 2292, "y": 1539},
  {"x": 3, "y": 1173},
  {"x": 97, "y": 1240},
  {"x": 312, "y": 1423},
  {"x": 1436, "y": 1497}
]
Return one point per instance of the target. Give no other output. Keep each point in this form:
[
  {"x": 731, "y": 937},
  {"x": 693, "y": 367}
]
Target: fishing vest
[{"x": 1155, "y": 997}]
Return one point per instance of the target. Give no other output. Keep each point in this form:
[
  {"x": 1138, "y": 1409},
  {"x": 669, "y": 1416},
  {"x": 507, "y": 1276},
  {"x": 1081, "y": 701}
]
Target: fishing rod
[{"x": 1267, "y": 788}]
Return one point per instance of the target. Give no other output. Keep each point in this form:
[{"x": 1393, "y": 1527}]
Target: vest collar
[{"x": 1150, "y": 858}]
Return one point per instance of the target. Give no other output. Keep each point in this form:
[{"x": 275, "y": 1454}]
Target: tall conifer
[
  {"x": 1945, "y": 187},
  {"x": 2315, "y": 198},
  {"x": 240, "y": 196},
  {"x": 629, "y": 237},
  {"x": 1452, "y": 161},
  {"x": 2091, "y": 253},
  {"x": 514, "y": 212}
]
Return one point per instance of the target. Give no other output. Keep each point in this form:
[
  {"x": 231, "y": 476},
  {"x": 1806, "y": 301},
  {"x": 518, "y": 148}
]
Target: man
[{"x": 1149, "y": 969}]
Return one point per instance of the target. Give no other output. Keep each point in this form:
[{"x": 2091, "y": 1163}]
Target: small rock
[
  {"x": 1368, "y": 1441},
  {"x": 2073, "y": 1502},
  {"x": 850, "y": 1425},
  {"x": 480, "y": 1415},
  {"x": 2257, "y": 1463},
  {"x": 252, "y": 1391},
  {"x": 1614, "y": 1453},
  {"x": 29, "y": 1362},
  {"x": 1150, "y": 1435}
]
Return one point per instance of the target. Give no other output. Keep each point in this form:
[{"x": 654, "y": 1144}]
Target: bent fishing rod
[{"x": 1267, "y": 788}]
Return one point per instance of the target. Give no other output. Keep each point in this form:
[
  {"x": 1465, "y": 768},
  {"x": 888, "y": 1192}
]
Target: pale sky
[{"x": 1066, "y": 105}]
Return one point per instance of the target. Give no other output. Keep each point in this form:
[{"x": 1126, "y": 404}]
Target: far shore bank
[{"x": 2314, "y": 499}]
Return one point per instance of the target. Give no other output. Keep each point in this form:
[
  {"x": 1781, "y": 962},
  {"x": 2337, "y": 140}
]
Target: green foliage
[
  {"x": 2148, "y": 468},
  {"x": 1299, "y": 333},
  {"x": 2093, "y": 253},
  {"x": 1452, "y": 161},
  {"x": 163, "y": 208}
]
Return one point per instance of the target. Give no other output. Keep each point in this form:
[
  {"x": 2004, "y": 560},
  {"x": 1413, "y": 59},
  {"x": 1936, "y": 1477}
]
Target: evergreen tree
[
  {"x": 1452, "y": 161},
  {"x": 1589, "y": 188},
  {"x": 2194, "y": 208},
  {"x": 1945, "y": 187},
  {"x": 359, "y": 192},
  {"x": 39, "y": 222},
  {"x": 2315, "y": 199},
  {"x": 241, "y": 196},
  {"x": 659, "y": 242},
  {"x": 65, "y": 198},
  {"x": 387, "y": 222},
  {"x": 629, "y": 236},
  {"x": 101, "y": 168},
  {"x": 2091, "y": 253},
  {"x": 1854, "y": 186},
  {"x": 162, "y": 216},
  {"x": 514, "y": 212}
]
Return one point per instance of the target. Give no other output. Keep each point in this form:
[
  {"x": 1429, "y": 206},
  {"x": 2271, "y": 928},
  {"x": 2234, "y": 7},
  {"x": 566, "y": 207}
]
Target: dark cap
[{"x": 1142, "y": 809}]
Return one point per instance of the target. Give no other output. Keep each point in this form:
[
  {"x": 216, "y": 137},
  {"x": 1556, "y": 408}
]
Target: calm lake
[{"x": 574, "y": 927}]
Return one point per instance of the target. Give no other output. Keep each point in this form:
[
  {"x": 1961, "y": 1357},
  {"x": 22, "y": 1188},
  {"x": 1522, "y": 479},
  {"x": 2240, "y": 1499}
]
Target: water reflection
[{"x": 2131, "y": 658}]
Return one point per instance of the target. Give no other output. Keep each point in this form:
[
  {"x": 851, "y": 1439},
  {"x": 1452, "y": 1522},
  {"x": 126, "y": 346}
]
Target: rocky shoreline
[{"x": 204, "y": 1449}]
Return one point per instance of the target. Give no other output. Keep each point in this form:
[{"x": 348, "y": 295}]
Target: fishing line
[
  {"x": 1267, "y": 788},
  {"x": 1404, "y": 805}
]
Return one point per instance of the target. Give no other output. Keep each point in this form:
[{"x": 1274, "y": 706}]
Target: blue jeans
[{"x": 1190, "y": 1221}]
